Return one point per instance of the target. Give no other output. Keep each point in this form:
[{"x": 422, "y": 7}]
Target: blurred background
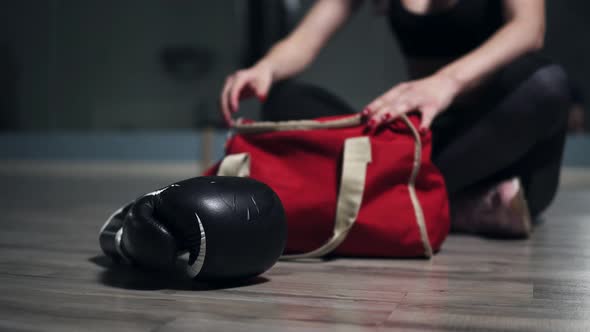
[{"x": 139, "y": 80}]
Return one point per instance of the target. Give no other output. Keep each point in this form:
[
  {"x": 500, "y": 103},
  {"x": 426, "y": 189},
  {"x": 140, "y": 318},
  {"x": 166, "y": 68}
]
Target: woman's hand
[
  {"x": 245, "y": 83},
  {"x": 430, "y": 96},
  {"x": 289, "y": 56}
]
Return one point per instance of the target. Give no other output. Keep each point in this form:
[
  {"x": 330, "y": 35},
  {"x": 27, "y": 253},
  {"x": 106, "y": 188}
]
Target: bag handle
[
  {"x": 357, "y": 154},
  {"x": 270, "y": 126}
]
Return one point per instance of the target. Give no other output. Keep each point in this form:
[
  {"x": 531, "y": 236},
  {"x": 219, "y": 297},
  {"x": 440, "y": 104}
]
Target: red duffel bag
[{"x": 346, "y": 191}]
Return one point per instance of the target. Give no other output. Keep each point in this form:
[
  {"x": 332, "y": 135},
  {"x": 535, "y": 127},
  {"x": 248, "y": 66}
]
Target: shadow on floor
[{"x": 130, "y": 277}]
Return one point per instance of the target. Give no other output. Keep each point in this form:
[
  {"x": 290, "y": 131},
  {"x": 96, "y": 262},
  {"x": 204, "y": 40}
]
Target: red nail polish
[
  {"x": 387, "y": 116},
  {"x": 262, "y": 98},
  {"x": 372, "y": 123}
]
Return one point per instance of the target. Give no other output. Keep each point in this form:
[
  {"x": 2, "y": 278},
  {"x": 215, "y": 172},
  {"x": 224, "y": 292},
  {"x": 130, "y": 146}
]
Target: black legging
[{"x": 517, "y": 128}]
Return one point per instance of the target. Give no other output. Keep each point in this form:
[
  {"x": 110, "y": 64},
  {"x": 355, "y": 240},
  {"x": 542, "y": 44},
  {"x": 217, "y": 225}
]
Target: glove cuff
[
  {"x": 119, "y": 246},
  {"x": 196, "y": 264}
]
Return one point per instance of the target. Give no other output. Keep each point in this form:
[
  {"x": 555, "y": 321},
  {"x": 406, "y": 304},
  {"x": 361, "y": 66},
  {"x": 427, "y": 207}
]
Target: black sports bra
[{"x": 449, "y": 33}]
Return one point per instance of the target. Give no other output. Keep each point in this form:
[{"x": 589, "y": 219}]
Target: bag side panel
[{"x": 431, "y": 190}]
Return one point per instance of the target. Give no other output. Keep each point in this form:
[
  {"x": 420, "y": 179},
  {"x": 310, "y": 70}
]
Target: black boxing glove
[
  {"x": 232, "y": 228},
  {"x": 147, "y": 242}
]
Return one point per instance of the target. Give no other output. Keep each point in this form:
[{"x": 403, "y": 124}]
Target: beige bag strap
[
  {"x": 420, "y": 220},
  {"x": 357, "y": 154},
  {"x": 235, "y": 165}
]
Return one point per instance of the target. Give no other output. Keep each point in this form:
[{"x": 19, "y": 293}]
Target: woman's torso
[{"x": 442, "y": 30}]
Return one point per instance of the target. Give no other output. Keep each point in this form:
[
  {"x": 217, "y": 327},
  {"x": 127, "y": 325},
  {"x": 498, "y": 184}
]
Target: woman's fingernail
[
  {"x": 262, "y": 98},
  {"x": 372, "y": 123},
  {"x": 387, "y": 116}
]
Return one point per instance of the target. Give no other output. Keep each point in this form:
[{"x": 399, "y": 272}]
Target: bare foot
[{"x": 500, "y": 211}]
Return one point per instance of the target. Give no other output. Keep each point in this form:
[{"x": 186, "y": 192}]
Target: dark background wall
[
  {"x": 96, "y": 65},
  {"x": 568, "y": 40}
]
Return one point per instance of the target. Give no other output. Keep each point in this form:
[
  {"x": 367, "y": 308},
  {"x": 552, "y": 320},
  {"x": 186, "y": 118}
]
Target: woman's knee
[
  {"x": 541, "y": 95},
  {"x": 280, "y": 99},
  {"x": 548, "y": 79},
  {"x": 293, "y": 100},
  {"x": 552, "y": 84},
  {"x": 283, "y": 91},
  {"x": 553, "y": 94}
]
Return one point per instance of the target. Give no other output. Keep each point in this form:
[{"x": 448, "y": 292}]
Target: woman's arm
[
  {"x": 523, "y": 31},
  {"x": 288, "y": 57},
  {"x": 293, "y": 54}
]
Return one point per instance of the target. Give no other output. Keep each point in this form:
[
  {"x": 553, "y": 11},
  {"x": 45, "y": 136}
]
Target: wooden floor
[{"x": 53, "y": 276}]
